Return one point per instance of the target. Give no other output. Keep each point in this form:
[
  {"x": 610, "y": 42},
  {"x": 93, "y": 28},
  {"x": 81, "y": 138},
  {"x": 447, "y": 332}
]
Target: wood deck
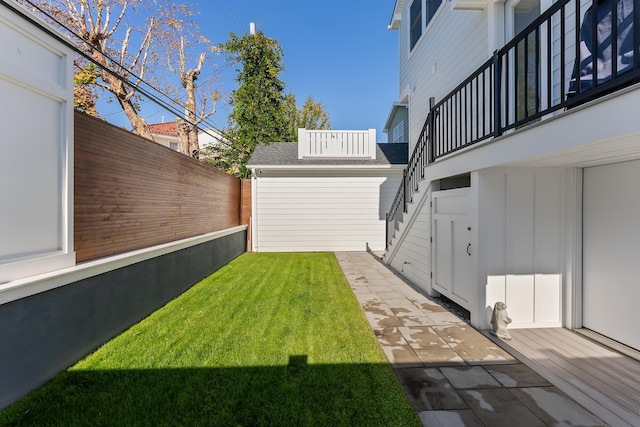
[{"x": 604, "y": 381}]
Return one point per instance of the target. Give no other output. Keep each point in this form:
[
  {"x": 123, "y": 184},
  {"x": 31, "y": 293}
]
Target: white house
[
  {"x": 166, "y": 133},
  {"x": 397, "y": 124},
  {"x": 516, "y": 191},
  {"x": 330, "y": 191}
]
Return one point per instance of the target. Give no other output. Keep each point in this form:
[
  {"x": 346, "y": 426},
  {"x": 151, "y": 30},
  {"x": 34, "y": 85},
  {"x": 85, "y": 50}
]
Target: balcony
[
  {"x": 337, "y": 144},
  {"x": 541, "y": 73},
  {"x": 536, "y": 76}
]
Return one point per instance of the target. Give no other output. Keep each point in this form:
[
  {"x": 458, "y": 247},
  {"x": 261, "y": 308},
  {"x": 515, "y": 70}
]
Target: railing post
[
  {"x": 430, "y": 132},
  {"x": 404, "y": 191},
  {"x": 303, "y": 144},
  {"x": 497, "y": 94},
  {"x": 386, "y": 231}
]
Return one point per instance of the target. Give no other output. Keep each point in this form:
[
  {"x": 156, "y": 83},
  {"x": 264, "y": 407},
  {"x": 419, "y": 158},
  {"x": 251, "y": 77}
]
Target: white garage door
[
  {"x": 327, "y": 212},
  {"x": 611, "y": 245}
]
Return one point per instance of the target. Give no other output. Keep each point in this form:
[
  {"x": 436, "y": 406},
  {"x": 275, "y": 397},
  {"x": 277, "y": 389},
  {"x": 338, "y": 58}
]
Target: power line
[{"x": 22, "y": 13}]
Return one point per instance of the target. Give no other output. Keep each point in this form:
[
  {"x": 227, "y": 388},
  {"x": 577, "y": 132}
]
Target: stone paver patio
[{"x": 453, "y": 375}]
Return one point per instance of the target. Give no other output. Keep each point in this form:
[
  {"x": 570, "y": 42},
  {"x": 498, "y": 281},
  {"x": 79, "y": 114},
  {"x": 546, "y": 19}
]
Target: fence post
[
  {"x": 303, "y": 144},
  {"x": 497, "y": 94}
]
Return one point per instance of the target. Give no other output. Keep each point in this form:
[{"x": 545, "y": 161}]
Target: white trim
[
  {"x": 254, "y": 211},
  {"x": 36, "y": 284},
  {"x": 572, "y": 230},
  {"x": 324, "y": 167},
  {"x": 394, "y": 107},
  {"x": 53, "y": 83}
]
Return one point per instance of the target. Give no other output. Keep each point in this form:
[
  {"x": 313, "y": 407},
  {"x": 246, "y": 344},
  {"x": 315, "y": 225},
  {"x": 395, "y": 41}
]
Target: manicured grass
[{"x": 269, "y": 339}]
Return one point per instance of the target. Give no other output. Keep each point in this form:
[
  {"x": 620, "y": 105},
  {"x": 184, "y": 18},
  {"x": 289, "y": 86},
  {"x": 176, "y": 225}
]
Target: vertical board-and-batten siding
[
  {"x": 521, "y": 243},
  {"x": 324, "y": 211},
  {"x": 440, "y": 61},
  {"x": 131, "y": 193}
]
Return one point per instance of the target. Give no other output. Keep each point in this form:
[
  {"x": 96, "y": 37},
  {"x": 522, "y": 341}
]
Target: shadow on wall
[{"x": 388, "y": 189}]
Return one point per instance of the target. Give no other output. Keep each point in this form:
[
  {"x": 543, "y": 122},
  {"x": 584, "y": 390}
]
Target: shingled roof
[{"x": 286, "y": 154}]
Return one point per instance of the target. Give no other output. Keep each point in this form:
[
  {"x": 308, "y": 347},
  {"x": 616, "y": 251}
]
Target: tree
[
  {"x": 188, "y": 126},
  {"x": 261, "y": 112},
  {"x": 84, "y": 95},
  {"x": 97, "y": 23},
  {"x": 257, "y": 115},
  {"x": 311, "y": 115}
]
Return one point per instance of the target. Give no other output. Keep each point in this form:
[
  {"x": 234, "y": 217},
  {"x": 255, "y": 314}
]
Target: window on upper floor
[
  {"x": 415, "y": 21},
  {"x": 418, "y": 20},
  {"x": 431, "y": 8},
  {"x": 398, "y": 133}
]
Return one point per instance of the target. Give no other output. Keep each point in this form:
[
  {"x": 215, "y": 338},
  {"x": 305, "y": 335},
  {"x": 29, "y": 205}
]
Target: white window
[
  {"x": 418, "y": 20},
  {"x": 415, "y": 22},
  {"x": 398, "y": 133}
]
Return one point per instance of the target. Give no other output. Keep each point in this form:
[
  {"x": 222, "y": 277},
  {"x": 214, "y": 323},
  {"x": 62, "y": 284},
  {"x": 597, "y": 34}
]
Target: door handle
[{"x": 468, "y": 249}]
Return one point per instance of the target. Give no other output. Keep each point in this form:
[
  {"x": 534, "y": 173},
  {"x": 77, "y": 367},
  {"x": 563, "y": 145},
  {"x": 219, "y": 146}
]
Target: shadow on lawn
[{"x": 297, "y": 394}]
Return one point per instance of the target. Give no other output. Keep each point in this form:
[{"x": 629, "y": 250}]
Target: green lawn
[{"x": 269, "y": 339}]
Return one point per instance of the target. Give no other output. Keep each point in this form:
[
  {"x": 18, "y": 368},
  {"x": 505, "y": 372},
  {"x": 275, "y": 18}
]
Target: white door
[
  {"x": 611, "y": 251},
  {"x": 451, "y": 249}
]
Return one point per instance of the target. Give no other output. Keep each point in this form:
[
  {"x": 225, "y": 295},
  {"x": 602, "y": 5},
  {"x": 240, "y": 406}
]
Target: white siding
[
  {"x": 453, "y": 45},
  {"x": 323, "y": 211},
  {"x": 412, "y": 259},
  {"x": 520, "y": 244},
  {"x": 611, "y": 251}
]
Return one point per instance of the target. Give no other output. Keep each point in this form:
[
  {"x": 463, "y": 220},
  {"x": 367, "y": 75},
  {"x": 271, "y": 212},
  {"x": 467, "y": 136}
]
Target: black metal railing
[{"x": 545, "y": 68}]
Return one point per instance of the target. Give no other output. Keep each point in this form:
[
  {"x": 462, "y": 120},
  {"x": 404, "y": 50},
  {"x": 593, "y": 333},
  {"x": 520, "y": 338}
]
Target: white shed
[{"x": 322, "y": 203}]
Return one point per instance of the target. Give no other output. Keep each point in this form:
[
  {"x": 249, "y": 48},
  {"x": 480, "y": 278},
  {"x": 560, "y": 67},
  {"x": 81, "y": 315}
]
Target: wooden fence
[
  {"x": 131, "y": 193},
  {"x": 245, "y": 209}
]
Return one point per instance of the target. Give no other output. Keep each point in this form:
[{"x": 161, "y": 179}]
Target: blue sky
[{"x": 340, "y": 52}]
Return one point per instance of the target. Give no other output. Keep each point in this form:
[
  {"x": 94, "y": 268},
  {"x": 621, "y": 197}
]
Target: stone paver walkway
[{"x": 453, "y": 375}]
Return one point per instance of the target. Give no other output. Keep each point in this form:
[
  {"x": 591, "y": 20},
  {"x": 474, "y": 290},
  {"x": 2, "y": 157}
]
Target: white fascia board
[
  {"x": 326, "y": 167},
  {"x": 394, "y": 108},
  {"x": 29, "y": 286},
  {"x": 396, "y": 15},
  {"x": 469, "y": 5}
]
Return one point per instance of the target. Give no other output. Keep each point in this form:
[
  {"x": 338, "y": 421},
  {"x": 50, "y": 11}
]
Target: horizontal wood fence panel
[{"x": 131, "y": 193}]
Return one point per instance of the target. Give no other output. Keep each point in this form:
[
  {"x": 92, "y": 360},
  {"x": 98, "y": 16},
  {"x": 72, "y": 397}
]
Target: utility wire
[{"x": 23, "y": 13}]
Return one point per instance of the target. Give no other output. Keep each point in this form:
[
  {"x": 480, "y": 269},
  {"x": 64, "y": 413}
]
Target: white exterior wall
[
  {"x": 521, "y": 245},
  {"x": 306, "y": 211},
  {"x": 36, "y": 157},
  {"x": 453, "y": 45},
  {"x": 413, "y": 258},
  {"x": 611, "y": 251}
]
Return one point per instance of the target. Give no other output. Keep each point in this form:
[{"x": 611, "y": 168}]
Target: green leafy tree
[
  {"x": 84, "y": 96},
  {"x": 261, "y": 112},
  {"x": 257, "y": 115},
  {"x": 312, "y": 115}
]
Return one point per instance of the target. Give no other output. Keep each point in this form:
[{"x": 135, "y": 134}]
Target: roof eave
[
  {"x": 394, "y": 108},
  {"x": 396, "y": 16}
]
